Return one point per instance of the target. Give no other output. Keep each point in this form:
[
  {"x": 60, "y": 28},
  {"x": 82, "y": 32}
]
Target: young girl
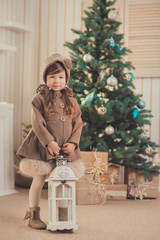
[{"x": 56, "y": 129}]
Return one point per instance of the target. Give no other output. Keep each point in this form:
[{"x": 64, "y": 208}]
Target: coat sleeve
[
  {"x": 77, "y": 126},
  {"x": 38, "y": 121}
]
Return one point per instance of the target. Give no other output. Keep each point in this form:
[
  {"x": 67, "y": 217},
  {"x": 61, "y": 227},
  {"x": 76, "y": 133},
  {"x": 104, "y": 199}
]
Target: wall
[{"x": 49, "y": 23}]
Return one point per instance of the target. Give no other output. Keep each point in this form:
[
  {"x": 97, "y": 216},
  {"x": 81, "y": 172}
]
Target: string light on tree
[
  {"x": 109, "y": 130},
  {"x": 113, "y": 15},
  {"x": 108, "y": 70},
  {"x": 102, "y": 73}
]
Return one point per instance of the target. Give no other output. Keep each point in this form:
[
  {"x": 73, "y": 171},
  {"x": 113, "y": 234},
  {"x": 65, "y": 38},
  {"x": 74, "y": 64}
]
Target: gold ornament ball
[
  {"x": 148, "y": 150},
  {"x": 102, "y": 110},
  {"x": 87, "y": 57},
  {"x": 109, "y": 130}
]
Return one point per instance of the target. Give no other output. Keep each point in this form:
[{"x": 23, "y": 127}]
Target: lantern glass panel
[
  {"x": 63, "y": 191},
  {"x": 64, "y": 211}
]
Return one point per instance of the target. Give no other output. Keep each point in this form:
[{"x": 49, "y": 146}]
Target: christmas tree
[{"x": 114, "y": 116}]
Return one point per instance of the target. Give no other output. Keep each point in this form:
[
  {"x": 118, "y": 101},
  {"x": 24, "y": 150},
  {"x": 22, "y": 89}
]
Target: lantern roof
[{"x": 61, "y": 173}]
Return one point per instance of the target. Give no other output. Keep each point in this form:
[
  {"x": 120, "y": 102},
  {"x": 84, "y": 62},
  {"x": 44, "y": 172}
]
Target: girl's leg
[
  {"x": 34, "y": 198},
  {"x": 35, "y": 190}
]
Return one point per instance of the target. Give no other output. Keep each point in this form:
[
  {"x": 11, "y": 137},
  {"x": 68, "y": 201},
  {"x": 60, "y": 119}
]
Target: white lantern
[{"x": 61, "y": 197}]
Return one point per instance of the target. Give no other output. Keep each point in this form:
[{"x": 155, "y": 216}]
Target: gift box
[
  {"x": 112, "y": 170},
  {"x": 85, "y": 191},
  {"x": 86, "y": 194},
  {"x": 116, "y": 192},
  {"x": 133, "y": 176},
  {"x": 87, "y": 158}
]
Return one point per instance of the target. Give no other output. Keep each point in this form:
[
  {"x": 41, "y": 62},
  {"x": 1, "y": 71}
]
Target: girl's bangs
[{"x": 55, "y": 68}]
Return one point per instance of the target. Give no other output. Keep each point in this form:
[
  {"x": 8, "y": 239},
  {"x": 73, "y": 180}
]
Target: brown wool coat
[{"x": 57, "y": 126}]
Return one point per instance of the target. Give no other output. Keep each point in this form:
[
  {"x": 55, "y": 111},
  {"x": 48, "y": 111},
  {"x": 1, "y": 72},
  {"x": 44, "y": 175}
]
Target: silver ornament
[
  {"x": 112, "y": 81},
  {"x": 102, "y": 110},
  {"x": 109, "y": 130},
  {"x": 87, "y": 58},
  {"x": 113, "y": 15},
  {"x": 148, "y": 150}
]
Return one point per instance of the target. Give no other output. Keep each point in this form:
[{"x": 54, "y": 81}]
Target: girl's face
[{"x": 56, "y": 81}]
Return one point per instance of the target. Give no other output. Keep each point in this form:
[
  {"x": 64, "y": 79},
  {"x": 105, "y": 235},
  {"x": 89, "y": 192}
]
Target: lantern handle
[{"x": 61, "y": 160}]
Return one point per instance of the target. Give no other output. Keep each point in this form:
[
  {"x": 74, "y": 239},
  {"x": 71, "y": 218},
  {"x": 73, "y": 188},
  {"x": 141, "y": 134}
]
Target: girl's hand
[
  {"x": 68, "y": 148},
  {"x": 53, "y": 148}
]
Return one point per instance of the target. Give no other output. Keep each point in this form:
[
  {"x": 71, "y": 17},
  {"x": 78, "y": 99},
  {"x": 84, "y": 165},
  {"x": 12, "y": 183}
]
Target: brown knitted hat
[{"x": 57, "y": 58}]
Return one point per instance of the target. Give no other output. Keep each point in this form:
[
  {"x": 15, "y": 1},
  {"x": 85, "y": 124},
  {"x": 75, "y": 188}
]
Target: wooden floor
[{"x": 116, "y": 220}]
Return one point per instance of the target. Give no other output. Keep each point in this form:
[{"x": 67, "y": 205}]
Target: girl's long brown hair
[{"x": 49, "y": 104}]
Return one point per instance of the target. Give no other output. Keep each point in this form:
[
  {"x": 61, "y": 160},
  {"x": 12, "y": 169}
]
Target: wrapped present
[
  {"x": 86, "y": 194},
  {"x": 116, "y": 174},
  {"x": 91, "y": 188},
  {"x": 138, "y": 187},
  {"x": 116, "y": 192},
  {"x": 88, "y": 158},
  {"x": 95, "y": 188}
]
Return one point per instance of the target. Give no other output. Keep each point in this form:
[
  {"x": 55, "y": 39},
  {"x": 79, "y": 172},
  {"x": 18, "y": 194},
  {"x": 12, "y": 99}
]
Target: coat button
[
  {"x": 61, "y": 105},
  {"x": 63, "y": 118}
]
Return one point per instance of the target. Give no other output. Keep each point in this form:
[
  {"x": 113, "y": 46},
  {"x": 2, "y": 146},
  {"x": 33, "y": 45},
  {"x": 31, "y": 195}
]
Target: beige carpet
[{"x": 116, "y": 220}]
